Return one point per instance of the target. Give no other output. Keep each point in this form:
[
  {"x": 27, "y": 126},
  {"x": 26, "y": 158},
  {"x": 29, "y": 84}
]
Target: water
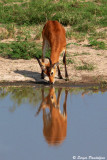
[{"x": 31, "y": 126}]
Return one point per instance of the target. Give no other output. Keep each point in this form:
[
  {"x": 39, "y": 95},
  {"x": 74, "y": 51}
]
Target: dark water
[{"x": 52, "y": 123}]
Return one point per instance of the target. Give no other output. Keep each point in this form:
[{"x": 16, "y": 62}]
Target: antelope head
[{"x": 49, "y": 69}]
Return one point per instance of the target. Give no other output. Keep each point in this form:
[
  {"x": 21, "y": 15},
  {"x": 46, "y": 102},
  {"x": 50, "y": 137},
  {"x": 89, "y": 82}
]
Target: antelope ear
[{"x": 55, "y": 64}]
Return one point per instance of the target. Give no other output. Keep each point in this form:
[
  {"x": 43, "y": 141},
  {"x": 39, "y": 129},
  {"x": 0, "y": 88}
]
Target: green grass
[
  {"x": 69, "y": 61},
  {"x": 11, "y": 1},
  {"x": 11, "y": 30},
  {"x": 88, "y": 67},
  {"x": 24, "y": 22},
  {"x": 98, "y": 35},
  {"x": 72, "y": 34},
  {"x": 78, "y": 54},
  {"x": 97, "y": 44},
  {"x": 85, "y": 53},
  {"x": 83, "y": 16},
  {"x": 20, "y": 50}
]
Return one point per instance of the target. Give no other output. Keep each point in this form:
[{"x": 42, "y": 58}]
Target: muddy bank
[{"x": 90, "y": 86}]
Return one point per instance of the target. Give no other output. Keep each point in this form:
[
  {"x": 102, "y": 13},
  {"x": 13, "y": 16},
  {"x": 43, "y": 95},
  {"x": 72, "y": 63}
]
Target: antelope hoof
[
  {"x": 66, "y": 79},
  {"x": 51, "y": 83},
  {"x": 60, "y": 77},
  {"x": 42, "y": 76}
]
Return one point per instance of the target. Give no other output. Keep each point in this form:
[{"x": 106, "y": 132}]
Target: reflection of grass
[
  {"x": 20, "y": 95},
  {"x": 32, "y": 95}
]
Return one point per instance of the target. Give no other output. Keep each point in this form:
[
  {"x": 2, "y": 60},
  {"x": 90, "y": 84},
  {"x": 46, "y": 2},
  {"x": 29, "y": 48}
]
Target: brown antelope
[
  {"x": 54, "y": 37},
  {"x": 55, "y": 123}
]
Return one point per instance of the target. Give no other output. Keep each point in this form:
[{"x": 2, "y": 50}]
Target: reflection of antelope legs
[{"x": 55, "y": 123}]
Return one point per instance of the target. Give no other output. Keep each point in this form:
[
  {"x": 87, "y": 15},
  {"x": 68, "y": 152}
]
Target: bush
[{"x": 21, "y": 49}]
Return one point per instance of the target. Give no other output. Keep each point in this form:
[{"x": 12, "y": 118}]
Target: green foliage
[
  {"x": 20, "y": 49},
  {"x": 11, "y": 1},
  {"x": 97, "y": 44},
  {"x": 69, "y": 61},
  {"x": 88, "y": 67},
  {"x": 83, "y": 16},
  {"x": 98, "y": 35}
]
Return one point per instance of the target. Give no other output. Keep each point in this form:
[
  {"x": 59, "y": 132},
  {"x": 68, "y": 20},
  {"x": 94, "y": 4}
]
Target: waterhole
[{"x": 52, "y": 123}]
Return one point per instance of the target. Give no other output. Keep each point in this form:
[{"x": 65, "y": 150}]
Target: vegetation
[
  {"x": 21, "y": 49},
  {"x": 88, "y": 67},
  {"x": 23, "y": 20},
  {"x": 69, "y": 61},
  {"x": 83, "y": 16},
  {"x": 97, "y": 44}
]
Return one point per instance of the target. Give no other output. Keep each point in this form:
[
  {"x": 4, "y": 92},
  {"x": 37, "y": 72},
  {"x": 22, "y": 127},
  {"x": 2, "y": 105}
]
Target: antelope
[
  {"x": 53, "y": 35},
  {"x": 55, "y": 123}
]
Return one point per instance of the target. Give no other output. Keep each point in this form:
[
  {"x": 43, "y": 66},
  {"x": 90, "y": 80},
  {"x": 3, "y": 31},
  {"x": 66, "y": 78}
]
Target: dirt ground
[{"x": 29, "y": 70}]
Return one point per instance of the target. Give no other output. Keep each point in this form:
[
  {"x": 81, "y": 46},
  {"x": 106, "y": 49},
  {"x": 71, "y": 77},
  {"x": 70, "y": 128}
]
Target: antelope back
[{"x": 54, "y": 33}]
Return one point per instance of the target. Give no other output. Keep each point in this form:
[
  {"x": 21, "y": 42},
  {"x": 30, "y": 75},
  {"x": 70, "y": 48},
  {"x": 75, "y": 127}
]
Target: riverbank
[{"x": 85, "y": 66}]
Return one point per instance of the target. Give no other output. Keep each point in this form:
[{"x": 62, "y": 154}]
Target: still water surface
[{"x": 52, "y": 123}]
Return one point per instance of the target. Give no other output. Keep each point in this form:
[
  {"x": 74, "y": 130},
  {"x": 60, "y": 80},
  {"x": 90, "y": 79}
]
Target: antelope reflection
[{"x": 54, "y": 122}]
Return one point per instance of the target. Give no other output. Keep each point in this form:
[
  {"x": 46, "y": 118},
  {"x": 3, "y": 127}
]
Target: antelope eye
[{"x": 51, "y": 73}]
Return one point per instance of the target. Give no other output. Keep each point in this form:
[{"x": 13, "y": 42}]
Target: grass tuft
[
  {"x": 97, "y": 44},
  {"x": 69, "y": 61},
  {"x": 88, "y": 67}
]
